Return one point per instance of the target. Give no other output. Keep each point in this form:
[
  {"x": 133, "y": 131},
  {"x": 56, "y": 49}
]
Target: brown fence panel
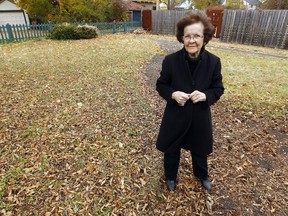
[
  {"x": 216, "y": 13},
  {"x": 147, "y": 20},
  {"x": 267, "y": 28}
]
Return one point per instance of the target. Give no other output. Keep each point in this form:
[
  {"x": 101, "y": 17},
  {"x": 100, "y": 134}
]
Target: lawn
[
  {"x": 255, "y": 82},
  {"x": 78, "y": 126}
]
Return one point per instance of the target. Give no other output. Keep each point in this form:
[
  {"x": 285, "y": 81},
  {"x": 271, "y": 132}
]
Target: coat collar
[{"x": 186, "y": 56}]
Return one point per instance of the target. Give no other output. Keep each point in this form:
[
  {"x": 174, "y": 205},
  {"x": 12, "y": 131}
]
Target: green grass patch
[{"x": 255, "y": 83}]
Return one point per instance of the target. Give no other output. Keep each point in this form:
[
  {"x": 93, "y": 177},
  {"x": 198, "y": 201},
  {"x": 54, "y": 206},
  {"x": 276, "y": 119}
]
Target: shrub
[
  {"x": 87, "y": 32},
  {"x": 64, "y": 32},
  {"x": 73, "y": 32},
  {"x": 139, "y": 31}
]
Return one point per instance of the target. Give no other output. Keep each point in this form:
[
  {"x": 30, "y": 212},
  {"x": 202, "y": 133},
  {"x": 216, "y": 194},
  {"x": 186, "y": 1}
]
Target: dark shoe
[
  {"x": 171, "y": 185},
  {"x": 206, "y": 184}
]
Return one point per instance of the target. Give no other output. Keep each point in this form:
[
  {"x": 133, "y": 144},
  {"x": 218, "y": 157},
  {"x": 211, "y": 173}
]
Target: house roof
[{"x": 134, "y": 6}]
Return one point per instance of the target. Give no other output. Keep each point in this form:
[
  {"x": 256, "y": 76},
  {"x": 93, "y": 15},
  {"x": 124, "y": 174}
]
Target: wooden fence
[
  {"x": 267, "y": 28},
  {"x": 11, "y": 33},
  {"x": 163, "y": 22},
  {"x": 263, "y": 28}
]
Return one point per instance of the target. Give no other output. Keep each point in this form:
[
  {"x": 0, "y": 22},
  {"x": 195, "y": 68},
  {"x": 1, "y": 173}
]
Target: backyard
[{"x": 79, "y": 122}]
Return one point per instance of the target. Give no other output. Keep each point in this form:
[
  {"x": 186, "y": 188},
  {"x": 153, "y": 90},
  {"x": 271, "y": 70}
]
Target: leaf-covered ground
[{"x": 79, "y": 121}]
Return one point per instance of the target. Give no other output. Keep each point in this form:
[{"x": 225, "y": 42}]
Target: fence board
[{"x": 3, "y": 34}]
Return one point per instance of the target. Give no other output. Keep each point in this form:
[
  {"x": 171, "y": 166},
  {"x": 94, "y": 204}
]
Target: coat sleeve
[
  {"x": 216, "y": 88},
  {"x": 163, "y": 84}
]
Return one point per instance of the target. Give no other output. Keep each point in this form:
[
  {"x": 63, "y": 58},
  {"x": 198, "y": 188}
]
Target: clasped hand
[{"x": 182, "y": 97}]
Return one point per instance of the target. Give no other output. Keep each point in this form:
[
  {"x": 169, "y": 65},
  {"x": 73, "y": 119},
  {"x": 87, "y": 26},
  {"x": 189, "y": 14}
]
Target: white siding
[{"x": 11, "y": 17}]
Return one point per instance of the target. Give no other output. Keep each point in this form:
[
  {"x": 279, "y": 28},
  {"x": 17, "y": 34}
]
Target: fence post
[
  {"x": 10, "y": 33},
  {"x": 125, "y": 27},
  {"x": 114, "y": 27}
]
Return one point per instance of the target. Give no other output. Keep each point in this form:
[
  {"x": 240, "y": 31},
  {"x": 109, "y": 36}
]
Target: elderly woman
[{"x": 190, "y": 81}]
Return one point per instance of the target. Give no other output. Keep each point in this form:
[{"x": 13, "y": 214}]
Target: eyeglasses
[{"x": 194, "y": 37}]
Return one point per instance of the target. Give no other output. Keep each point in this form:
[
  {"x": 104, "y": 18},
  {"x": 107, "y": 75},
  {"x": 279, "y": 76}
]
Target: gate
[
  {"x": 216, "y": 14},
  {"x": 147, "y": 20}
]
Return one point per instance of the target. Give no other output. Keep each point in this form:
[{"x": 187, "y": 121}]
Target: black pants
[{"x": 171, "y": 165}]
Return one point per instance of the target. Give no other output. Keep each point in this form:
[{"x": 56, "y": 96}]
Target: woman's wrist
[{"x": 173, "y": 95}]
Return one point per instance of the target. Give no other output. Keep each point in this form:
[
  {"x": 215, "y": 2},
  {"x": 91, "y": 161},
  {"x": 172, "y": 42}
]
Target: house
[
  {"x": 184, "y": 5},
  {"x": 11, "y": 14}
]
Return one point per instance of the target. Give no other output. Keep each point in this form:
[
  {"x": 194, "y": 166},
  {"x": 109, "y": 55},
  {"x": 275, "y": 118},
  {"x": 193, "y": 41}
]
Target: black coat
[{"x": 188, "y": 126}]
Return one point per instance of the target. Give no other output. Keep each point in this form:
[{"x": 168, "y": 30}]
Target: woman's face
[{"x": 193, "y": 38}]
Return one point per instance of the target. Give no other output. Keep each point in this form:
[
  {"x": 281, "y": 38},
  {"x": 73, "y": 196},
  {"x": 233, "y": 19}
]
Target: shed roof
[{"x": 134, "y": 6}]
